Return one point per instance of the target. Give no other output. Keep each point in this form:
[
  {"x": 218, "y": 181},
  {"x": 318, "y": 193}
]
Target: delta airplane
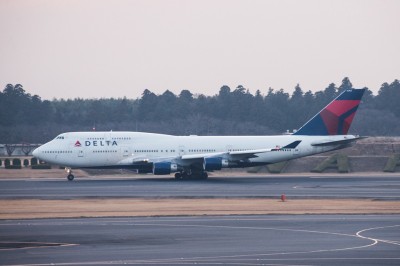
[{"x": 194, "y": 156}]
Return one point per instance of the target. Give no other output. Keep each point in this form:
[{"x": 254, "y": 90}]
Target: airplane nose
[{"x": 35, "y": 153}]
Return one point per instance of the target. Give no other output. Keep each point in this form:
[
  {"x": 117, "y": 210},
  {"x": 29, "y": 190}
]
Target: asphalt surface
[
  {"x": 368, "y": 187},
  {"x": 239, "y": 240}
]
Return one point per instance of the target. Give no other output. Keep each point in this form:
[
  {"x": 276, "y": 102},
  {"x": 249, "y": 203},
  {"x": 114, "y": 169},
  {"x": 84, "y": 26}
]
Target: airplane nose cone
[{"x": 35, "y": 153}]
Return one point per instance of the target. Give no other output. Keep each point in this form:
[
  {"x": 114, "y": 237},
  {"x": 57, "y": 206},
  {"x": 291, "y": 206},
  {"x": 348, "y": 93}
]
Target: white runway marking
[
  {"x": 376, "y": 239},
  {"x": 374, "y": 242},
  {"x": 40, "y": 245},
  {"x": 240, "y": 259}
]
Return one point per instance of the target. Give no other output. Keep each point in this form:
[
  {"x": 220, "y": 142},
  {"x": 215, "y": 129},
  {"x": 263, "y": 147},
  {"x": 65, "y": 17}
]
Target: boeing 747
[{"x": 194, "y": 156}]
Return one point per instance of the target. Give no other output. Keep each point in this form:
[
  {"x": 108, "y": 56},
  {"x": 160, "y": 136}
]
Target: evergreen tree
[
  {"x": 146, "y": 106},
  {"x": 296, "y": 106},
  {"x": 25, "y": 117},
  {"x": 346, "y": 84},
  {"x": 388, "y": 97}
]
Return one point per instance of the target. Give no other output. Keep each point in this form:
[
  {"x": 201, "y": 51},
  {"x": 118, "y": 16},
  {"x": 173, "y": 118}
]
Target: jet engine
[
  {"x": 164, "y": 168},
  {"x": 214, "y": 163}
]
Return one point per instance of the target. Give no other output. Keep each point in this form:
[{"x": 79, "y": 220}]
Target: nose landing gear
[{"x": 70, "y": 176}]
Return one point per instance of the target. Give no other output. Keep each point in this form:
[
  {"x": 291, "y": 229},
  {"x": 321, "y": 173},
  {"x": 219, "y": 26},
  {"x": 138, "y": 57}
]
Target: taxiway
[
  {"x": 186, "y": 240},
  {"x": 239, "y": 240}
]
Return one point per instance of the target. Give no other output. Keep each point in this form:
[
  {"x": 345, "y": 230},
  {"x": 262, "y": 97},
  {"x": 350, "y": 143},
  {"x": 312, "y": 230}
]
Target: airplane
[{"x": 193, "y": 156}]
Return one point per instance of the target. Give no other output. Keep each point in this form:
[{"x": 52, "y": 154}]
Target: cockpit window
[{"x": 60, "y": 137}]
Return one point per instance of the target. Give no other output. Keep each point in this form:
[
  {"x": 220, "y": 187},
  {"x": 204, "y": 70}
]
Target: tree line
[{"x": 26, "y": 118}]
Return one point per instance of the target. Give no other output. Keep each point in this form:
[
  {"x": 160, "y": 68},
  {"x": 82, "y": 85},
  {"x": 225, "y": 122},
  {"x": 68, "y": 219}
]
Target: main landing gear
[
  {"x": 70, "y": 176},
  {"x": 191, "y": 175}
]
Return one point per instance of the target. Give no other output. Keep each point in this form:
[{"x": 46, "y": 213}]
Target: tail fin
[{"x": 336, "y": 117}]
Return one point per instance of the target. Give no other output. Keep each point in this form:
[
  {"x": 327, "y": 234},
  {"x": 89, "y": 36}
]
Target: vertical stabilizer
[{"x": 336, "y": 117}]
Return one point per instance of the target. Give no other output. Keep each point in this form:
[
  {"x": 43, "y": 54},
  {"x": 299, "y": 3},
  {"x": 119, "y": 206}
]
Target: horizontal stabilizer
[{"x": 336, "y": 142}]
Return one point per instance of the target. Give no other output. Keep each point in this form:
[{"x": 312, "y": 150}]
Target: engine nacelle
[
  {"x": 164, "y": 168},
  {"x": 214, "y": 163}
]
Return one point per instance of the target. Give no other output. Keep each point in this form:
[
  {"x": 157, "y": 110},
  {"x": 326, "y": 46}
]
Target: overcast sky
[{"x": 94, "y": 49}]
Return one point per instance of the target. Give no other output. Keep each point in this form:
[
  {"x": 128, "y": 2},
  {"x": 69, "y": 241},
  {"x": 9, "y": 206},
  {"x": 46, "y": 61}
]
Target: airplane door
[
  {"x": 80, "y": 153},
  {"x": 296, "y": 151},
  {"x": 181, "y": 150}
]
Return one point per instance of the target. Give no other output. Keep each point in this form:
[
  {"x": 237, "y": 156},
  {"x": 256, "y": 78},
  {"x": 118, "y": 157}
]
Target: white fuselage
[{"x": 102, "y": 149}]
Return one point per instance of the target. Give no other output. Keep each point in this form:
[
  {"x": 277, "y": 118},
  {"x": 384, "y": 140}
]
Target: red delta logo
[{"x": 78, "y": 144}]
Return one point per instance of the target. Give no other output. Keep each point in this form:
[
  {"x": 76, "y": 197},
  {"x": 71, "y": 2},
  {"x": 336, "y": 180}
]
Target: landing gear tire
[
  {"x": 182, "y": 175},
  {"x": 185, "y": 175},
  {"x": 193, "y": 176},
  {"x": 204, "y": 175},
  {"x": 178, "y": 176},
  {"x": 70, "y": 177}
]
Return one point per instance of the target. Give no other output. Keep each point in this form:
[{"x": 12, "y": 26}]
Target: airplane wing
[
  {"x": 189, "y": 159},
  {"x": 139, "y": 160},
  {"x": 238, "y": 155},
  {"x": 193, "y": 158}
]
